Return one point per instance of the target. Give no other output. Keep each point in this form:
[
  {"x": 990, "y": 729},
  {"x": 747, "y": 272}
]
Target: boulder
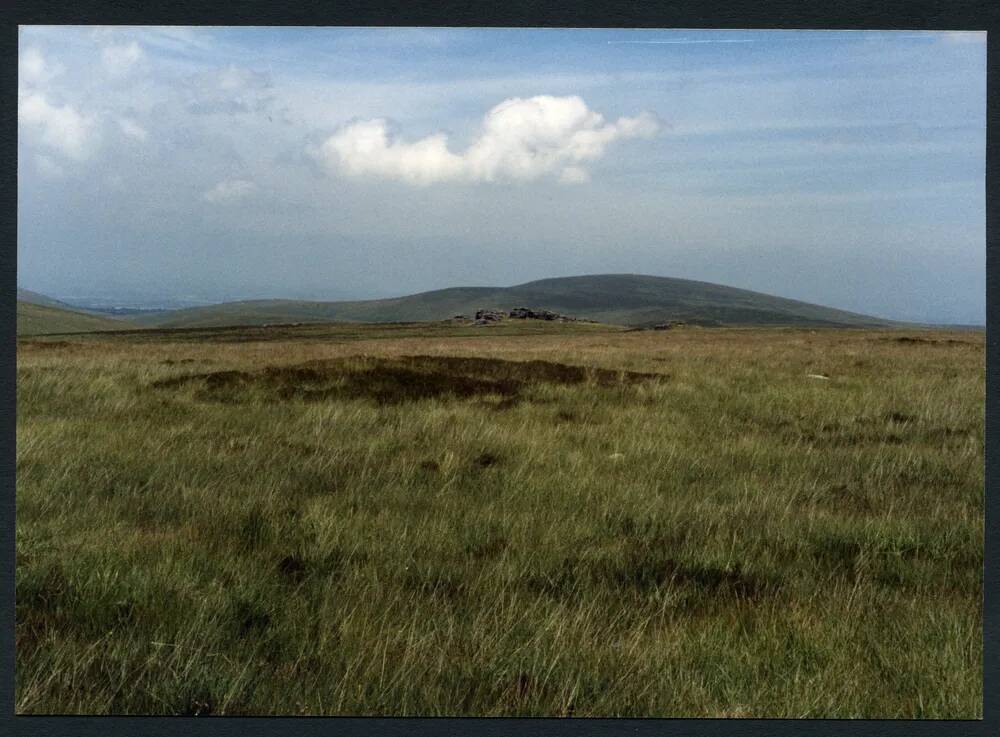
[
  {"x": 488, "y": 317},
  {"x": 524, "y": 313}
]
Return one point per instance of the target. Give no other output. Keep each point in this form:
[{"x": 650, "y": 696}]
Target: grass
[
  {"x": 37, "y": 319},
  {"x": 418, "y": 520}
]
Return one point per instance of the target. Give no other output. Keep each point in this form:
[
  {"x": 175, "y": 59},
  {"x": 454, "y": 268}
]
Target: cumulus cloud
[
  {"x": 520, "y": 139},
  {"x": 132, "y": 129},
  {"x": 58, "y": 127},
  {"x": 229, "y": 190},
  {"x": 120, "y": 58}
]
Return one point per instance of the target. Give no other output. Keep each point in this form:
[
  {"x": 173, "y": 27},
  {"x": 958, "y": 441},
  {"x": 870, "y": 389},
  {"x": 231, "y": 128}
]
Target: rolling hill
[
  {"x": 623, "y": 299},
  {"x": 35, "y": 298},
  {"x": 41, "y": 319}
]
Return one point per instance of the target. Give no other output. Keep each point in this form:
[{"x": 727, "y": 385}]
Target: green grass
[
  {"x": 38, "y": 319},
  {"x": 350, "y": 520}
]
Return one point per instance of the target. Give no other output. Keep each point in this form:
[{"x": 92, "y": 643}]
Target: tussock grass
[{"x": 425, "y": 522}]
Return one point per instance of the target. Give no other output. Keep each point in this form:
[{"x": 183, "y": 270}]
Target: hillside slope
[
  {"x": 37, "y": 319},
  {"x": 624, "y": 299},
  {"x": 36, "y": 298}
]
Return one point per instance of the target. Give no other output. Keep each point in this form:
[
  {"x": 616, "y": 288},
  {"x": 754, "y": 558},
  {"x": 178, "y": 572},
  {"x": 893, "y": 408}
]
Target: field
[{"x": 536, "y": 519}]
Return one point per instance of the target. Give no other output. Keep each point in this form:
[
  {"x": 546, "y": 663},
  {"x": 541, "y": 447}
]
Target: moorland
[{"x": 529, "y": 518}]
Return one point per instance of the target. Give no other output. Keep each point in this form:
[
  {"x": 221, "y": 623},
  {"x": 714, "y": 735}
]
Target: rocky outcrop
[
  {"x": 488, "y": 317},
  {"x": 524, "y": 313}
]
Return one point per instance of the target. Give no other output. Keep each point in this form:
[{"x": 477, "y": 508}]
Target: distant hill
[
  {"x": 622, "y": 299},
  {"x": 41, "y": 319},
  {"x": 36, "y": 298},
  {"x": 26, "y": 295}
]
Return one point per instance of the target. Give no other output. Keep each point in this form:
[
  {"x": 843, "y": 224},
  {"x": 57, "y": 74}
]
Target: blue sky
[{"x": 843, "y": 168}]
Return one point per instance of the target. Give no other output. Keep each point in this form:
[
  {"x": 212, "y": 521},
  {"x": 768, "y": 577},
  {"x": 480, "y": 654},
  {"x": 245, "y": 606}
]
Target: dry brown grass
[{"x": 730, "y": 537}]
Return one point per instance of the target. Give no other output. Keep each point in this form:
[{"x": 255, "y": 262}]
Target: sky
[{"x": 209, "y": 164}]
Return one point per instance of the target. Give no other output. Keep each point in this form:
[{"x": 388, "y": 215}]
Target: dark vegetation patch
[
  {"x": 490, "y": 548},
  {"x": 292, "y": 568},
  {"x": 831, "y": 436},
  {"x": 430, "y": 466},
  {"x": 249, "y": 617},
  {"x": 913, "y": 340},
  {"x": 485, "y": 460},
  {"x": 42, "y": 601},
  {"x": 213, "y": 380},
  {"x": 889, "y": 428},
  {"x": 254, "y": 530},
  {"x": 199, "y": 703},
  {"x": 837, "y": 553},
  {"x": 397, "y": 380},
  {"x": 51, "y": 600},
  {"x": 897, "y": 564},
  {"x": 504, "y": 404},
  {"x": 646, "y": 571},
  {"x": 43, "y": 345},
  {"x": 943, "y": 433},
  {"x": 389, "y": 384},
  {"x": 529, "y": 371},
  {"x": 652, "y": 572}
]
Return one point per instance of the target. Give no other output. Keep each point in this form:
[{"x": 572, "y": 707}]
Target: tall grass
[{"x": 730, "y": 538}]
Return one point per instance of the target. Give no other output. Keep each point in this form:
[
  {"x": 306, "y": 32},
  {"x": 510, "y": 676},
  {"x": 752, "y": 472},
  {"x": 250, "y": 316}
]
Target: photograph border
[{"x": 742, "y": 14}]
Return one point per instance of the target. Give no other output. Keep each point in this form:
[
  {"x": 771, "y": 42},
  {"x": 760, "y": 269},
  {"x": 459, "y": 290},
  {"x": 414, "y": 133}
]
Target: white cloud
[
  {"x": 365, "y": 148},
  {"x": 59, "y": 127},
  {"x": 119, "y": 59},
  {"x": 34, "y": 70},
  {"x": 520, "y": 139},
  {"x": 229, "y": 190},
  {"x": 132, "y": 129}
]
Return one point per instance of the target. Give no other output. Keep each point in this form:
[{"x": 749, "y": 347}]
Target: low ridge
[
  {"x": 622, "y": 299},
  {"x": 41, "y": 315}
]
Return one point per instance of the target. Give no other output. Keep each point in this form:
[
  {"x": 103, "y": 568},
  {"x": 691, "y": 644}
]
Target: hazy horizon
[{"x": 845, "y": 169}]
